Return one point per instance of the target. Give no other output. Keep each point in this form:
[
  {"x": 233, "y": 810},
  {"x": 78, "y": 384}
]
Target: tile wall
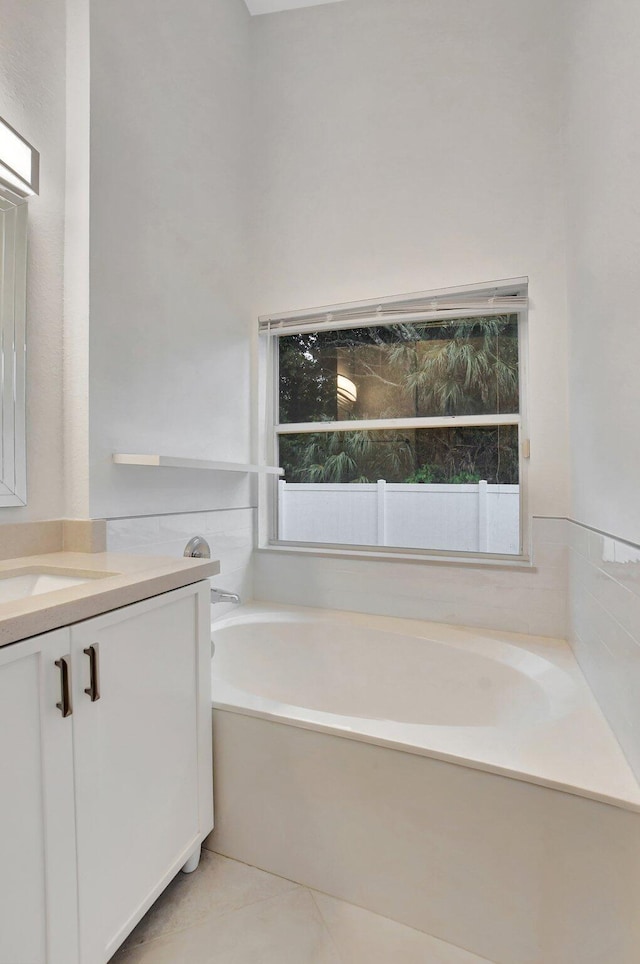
[
  {"x": 229, "y": 532},
  {"x": 604, "y": 595},
  {"x": 516, "y": 600},
  {"x": 584, "y": 586}
]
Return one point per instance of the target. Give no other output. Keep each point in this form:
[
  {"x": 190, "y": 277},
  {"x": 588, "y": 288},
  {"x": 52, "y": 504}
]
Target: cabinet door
[
  {"x": 142, "y": 742},
  {"x": 38, "y": 910}
]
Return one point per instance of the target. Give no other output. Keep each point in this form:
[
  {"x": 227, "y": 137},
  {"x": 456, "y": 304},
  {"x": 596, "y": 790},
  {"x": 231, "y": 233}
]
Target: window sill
[{"x": 466, "y": 559}]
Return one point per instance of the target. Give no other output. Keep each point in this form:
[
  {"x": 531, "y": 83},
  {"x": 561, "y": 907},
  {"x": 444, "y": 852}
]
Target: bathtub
[{"x": 461, "y": 781}]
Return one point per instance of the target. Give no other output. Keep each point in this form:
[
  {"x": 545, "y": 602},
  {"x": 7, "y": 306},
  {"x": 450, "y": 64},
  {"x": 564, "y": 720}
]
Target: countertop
[{"x": 115, "y": 580}]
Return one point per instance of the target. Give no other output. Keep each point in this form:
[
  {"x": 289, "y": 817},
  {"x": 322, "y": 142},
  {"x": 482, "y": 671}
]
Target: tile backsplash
[
  {"x": 604, "y": 594},
  {"x": 517, "y": 600},
  {"x": 229, "y": 532}
]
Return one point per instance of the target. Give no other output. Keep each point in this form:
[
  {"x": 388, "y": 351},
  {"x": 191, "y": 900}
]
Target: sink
[{"x": 35, "y": 582}]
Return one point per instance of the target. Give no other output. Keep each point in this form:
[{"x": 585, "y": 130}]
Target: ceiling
[{"x": 271, "y": 6}]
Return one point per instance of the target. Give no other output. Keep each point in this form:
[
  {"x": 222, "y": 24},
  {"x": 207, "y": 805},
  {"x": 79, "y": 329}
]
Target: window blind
[{"x": 500, "y": 298}]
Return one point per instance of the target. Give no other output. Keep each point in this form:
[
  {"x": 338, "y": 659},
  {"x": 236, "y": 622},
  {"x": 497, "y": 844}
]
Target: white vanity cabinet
[
  {"x": 101, "y": 808},
  {"x": 37, "y": 824},
  {"x": 142, "y": 755}
]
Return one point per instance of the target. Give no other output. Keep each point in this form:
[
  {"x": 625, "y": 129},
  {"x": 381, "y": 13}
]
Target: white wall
[
  {"x": 399, "y": 206},
  {"x": 76, "y": 262},
  {"x": 603, "y": 194},
  {"x": 603, "y": 215},
  {"x": 408, "y": 145},
  {"x": 32, "y": 99},
  {"x": 272, "y": 6},
  {"x": 396, "y": 145},
  {"x": 169, "y": 338}
]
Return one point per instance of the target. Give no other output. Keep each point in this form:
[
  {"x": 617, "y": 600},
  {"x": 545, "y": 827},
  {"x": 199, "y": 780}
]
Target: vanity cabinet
[
  {"x": 100, "y": 808},
  {"x": 37, "y": 824}
]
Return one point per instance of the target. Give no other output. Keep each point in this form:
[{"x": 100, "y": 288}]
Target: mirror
[
  {"x": 13, "y": 289},
  {"x": 19, "y": 179}
]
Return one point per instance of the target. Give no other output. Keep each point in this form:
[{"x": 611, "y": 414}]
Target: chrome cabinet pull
[
  {"x": 64, "y": 705},
  {"x": 93, "y": 690}
]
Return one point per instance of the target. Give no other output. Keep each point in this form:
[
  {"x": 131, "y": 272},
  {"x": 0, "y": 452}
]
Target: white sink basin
[{"x": 35, "y": 582}]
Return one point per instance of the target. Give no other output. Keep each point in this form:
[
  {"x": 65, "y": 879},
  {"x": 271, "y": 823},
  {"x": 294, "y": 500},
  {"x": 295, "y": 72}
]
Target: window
[{"x": 398, "y": 423}]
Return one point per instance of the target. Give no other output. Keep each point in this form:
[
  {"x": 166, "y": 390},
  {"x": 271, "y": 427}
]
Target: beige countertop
[{"x": 115, "y": 580}]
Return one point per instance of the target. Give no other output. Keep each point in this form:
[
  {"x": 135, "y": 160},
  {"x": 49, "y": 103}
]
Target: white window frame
[{"x": 367, "y": 313}]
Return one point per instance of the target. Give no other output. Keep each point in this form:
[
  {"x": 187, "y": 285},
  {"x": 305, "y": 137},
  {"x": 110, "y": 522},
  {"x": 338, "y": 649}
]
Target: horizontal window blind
[{"x": 500, "y": 298}]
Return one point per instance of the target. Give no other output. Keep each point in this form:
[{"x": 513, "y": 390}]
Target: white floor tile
[
  {"x": 218, "y": 886},
  {"x": 365, "y": 938},
  {"x": 282, "y": 930},
  {"x": 229, "y": 913}
]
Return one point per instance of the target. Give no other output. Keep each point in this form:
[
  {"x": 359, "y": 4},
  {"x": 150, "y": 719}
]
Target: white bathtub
[{"x": 366, "y": 757}]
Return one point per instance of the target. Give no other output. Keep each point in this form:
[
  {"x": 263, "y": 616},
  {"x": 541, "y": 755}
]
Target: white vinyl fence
[{"x": 465, "y": 518}]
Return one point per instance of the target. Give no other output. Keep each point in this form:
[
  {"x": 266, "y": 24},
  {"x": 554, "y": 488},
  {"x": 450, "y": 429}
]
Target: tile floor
[{"x": 229, "y": 913}]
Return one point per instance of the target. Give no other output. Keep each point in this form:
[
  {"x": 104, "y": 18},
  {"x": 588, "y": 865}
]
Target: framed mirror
[
  {"x": 19, "y": 180},
  {"x": 13, "y": 290}
]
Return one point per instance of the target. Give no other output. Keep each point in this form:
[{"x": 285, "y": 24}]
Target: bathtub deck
[{"x": 573, "y": 750}]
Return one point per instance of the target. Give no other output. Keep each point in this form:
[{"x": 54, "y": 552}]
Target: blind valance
[{"x": 506, "y": 297}]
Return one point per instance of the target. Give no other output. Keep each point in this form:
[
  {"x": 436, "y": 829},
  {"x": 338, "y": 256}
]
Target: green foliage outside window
[{"x": 461, "y": 367}]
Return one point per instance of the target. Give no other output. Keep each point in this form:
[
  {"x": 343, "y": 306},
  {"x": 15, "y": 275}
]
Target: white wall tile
[
  {"x": 229, "y": 532},
  {"x": 238, "y": 580},
  {"x": 124, "y": 534},
  {"x": 550, "y": 555},
  {"x": 548, "y": 530},
  {"x": 578, "y": 538},
  {"x": 519, "y": 600},
  {"x": 604, "y": 593}
]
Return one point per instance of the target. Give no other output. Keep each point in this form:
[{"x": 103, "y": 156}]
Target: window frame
[{"x": 270, "y": 430}]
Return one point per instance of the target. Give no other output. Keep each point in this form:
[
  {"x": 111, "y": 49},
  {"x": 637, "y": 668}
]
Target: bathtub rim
[{"x": 329, "y": 723}]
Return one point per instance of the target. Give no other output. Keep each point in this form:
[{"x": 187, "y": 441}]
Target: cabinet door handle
[
  {"x": 93, "y": 689},
  {"x": 65, "y": 685}
]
